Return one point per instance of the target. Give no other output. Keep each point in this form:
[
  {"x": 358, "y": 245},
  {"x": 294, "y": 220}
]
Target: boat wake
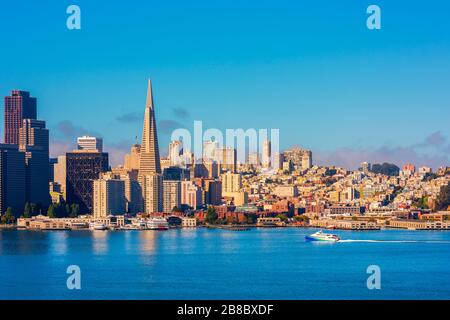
[{"x": 393, "y": 241}]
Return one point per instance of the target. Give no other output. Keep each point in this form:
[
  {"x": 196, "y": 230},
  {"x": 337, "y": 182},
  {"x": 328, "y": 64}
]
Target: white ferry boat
[
  {"x": 140, "y": 224},
  {"x": 157, "y": 224},
  {"x": 97, "y": 226},
  {"x": 320, "y": 236}
]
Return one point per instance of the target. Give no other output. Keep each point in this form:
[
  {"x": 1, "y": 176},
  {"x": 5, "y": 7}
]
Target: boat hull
[{"x": 312, "y": 238}]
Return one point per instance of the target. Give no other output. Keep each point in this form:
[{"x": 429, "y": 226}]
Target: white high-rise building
[
  {"x": 266, "y": 154},
  {"x": 175, "y": 153},
  {"x": 90, "y": 143}
]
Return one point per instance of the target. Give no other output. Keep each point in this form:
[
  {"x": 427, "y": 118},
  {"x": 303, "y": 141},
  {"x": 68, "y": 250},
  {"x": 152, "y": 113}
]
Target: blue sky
[{"x": 310, "y": 68}]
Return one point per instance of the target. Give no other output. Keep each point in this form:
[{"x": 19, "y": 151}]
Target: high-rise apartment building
[
  {"x": 89, "y": 143},
  {"x": 191, "y": 194},
  {"x": 153, "y": 193},
  {"x": 18, "y": 106},
  {"x": 109, "y": 196},
  {"x": 172, "y": 195},
  {"x": 12, "y": 179},
  {"x": 231, "y": 182}
]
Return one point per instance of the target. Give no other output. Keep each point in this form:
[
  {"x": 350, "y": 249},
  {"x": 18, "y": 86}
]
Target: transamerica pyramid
[{"x": 150, "y": 162}]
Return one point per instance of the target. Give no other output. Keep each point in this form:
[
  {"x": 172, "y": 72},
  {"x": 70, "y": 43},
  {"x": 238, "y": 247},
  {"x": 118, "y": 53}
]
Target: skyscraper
[
  {"x": 82, "y": 167},
  {"x": 175, "y": 152},
  {"x": 34, "y": 141},
  {"x": 172, "y": 195},
  {"x": 150, "y": 164},
  {"x": 266, "y": 154},
  {"x": 12, "y": 179},
  {"x": 18, "y": 106},
  {"x": 90, "y": 143},
  {"x": 109, "y": 196}
]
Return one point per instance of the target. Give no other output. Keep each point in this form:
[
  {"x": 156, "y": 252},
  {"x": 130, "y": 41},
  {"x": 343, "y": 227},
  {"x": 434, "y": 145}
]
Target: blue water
[{"x": 209, "y": 264}]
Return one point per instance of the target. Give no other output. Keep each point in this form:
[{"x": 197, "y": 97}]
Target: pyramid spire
[
  {"x": 150, "y": 161},
  {"x": 149, "y": 101}
]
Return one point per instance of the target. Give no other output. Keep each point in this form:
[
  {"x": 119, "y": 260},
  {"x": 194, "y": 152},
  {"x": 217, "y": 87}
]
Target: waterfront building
[
  {"x": 149, "y": 174},
  {"x": 12, "y": 179},
  {"x": 82, "y": 167},
  {"x": 34, "y": 142},
  {"x": 132, "y": 159},
  {"x": 187, "y": 222},
  {"x": 109, "y": 196},
  {"x": 191, "y": 194},
  {"x": 89, "y": 143},
  {"x": 153, "y": 193},
  {"x": 18, "y": 106},
  {"x": 172, "y": 195}
]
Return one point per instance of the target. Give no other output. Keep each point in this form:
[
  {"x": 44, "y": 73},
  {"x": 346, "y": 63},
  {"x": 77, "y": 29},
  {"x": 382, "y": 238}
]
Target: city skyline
[{"x": 343, "y": 93}]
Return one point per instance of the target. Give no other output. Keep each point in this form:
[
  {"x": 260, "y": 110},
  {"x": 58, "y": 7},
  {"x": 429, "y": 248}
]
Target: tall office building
[
  {"x": 82, "y": 167},
  {"x": 132, "y": 159},
  {"x": 89, "y": 143},
  {"x": 34, "y": 142},
  {"x": 109, "y": 196},
  {"x": 59, "y": 174},
  {"x": 266, "y": 154},
  {"x": 18, "y": 106},
  {"x": 172, "y": 195},
  {"x": 213, "y": 191},
  {"x": 150, "y": 164},
  {"x": 12, "y": 179},
  {"x": 307, "y": 160},
  {"x": 227, "y": 159}
]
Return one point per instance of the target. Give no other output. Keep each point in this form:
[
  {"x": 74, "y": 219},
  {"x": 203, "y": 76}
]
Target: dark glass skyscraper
[
  {"x": 18, "y": 106},
  {"x": 12, "y": 179},
  {"x": 82, "y": 167},
  {"x": 34, "y": 142}
]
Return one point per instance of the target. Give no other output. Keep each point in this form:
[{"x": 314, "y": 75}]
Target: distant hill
[{"x": 388, "y": 169}]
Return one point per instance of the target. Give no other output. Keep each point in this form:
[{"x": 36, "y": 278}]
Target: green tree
[
  {"x": 443, "y": 200},
  {"x": 8, "y": 217},
  {"x": 51, "y": 212},
  {"x": 282, "y": 217},
  {"x": 34, "y": 210},
  {"x": 27, "y": 211},
  {"x": 68, "y": 211},
  {"x": 74, "y": 210},
  {"x": 211, "y": 215}
]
